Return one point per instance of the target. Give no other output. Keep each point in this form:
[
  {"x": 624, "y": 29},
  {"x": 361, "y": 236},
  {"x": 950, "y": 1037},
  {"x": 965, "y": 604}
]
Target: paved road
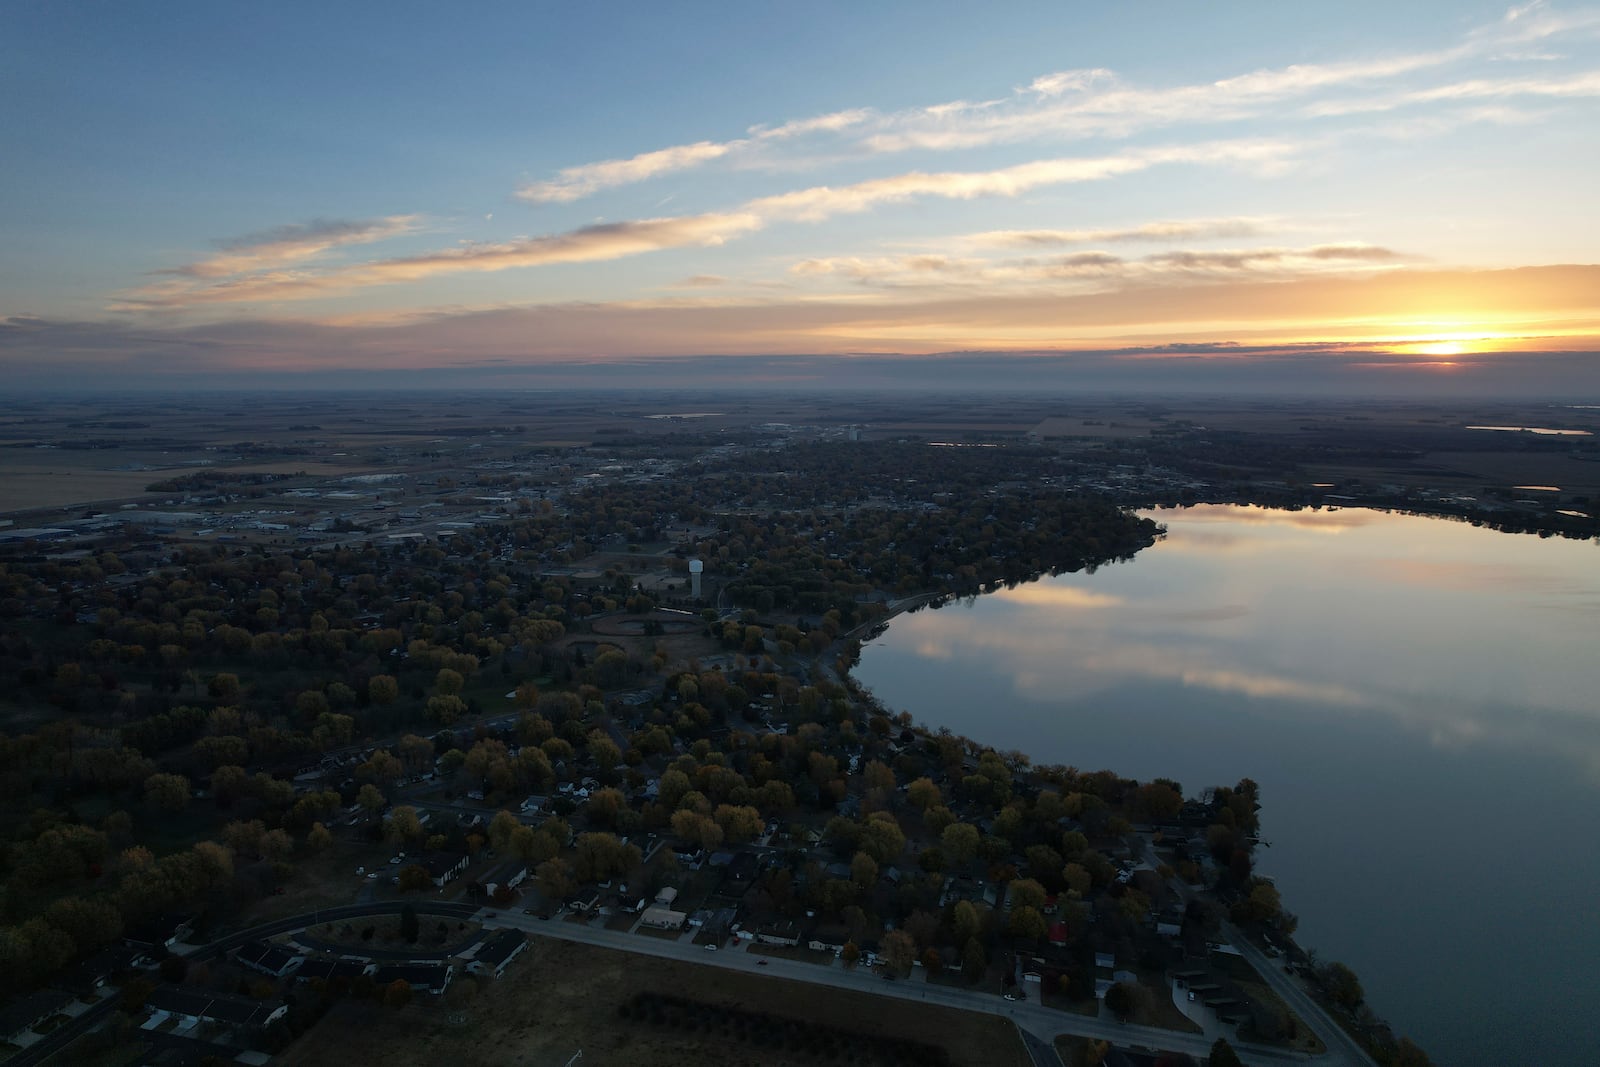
[
  {"x": 1342, "y": 1048},
  {"x": 1042, "y": 1024},
  {"x": 1301, "y": 1002}
]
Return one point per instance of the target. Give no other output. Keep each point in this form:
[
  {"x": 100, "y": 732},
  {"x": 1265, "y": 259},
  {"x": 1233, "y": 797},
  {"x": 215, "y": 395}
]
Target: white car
[
  {"x": 360, "y": 871},
  {"x": 371, "y": 876}
]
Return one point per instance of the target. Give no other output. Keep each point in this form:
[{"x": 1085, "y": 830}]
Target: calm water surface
[{"x": 1419, "y": 700}]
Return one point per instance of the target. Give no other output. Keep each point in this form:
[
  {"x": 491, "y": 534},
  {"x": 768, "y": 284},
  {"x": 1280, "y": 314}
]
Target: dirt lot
[{"x": 559, "y": 998}]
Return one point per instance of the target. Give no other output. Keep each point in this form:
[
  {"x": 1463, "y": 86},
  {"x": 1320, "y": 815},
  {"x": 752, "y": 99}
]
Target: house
[
  {"x": 828, "y": 937},
  {"x": 660, "y": 917},
  {"x": 154, "y": 938},
  {"x": 193, "y": 1008},
  {"x": 779, "y": 933},
  {"x": 18, "y": 1018},
  {"x": 329, "y": 969},
  {"x": 508, "y": 875},
  {"x": 496, "y": 954},
  {"x": 268, "y": 958},
  {"x": 666, "y": 896},
  {"x": 86, "y": 977},
  {"x": 444, "y": 867},
  {"x": 585, "y": 901},
  {"x": 425, "y": 977}
]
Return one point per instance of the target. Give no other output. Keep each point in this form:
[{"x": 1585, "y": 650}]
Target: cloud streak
[
  {"x": 297, "y": 243},
  {"x": 616, "y": 240},
  {"x": 604, "y": 241},
  {"x": 576, "y": 183},
  {"x": 1096, "y": 102}
]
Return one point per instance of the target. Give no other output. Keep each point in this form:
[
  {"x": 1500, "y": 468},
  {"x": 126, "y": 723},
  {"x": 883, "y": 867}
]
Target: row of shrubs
[{"x": 763, "y": 1030}]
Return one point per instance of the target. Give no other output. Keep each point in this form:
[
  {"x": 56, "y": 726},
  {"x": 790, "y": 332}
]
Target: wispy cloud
[
  {"x": 825, "y": 201},
  {"x": 1096, "y": 268},
  {"x": 616, "y": 240},
  {"x": 1097, "y": 103},
  {"x": 1182, "y": 230},
  {"x": 604, "y": 241},
  {"x": 575, "y": 183},
  {"x": 288, "y": 245},
  {"x": 1581, "y": 85}
]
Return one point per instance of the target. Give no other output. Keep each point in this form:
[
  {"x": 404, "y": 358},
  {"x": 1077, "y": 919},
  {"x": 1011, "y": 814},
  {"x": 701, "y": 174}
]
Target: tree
[
  {"x": 501, "y": 827},
  {"x": 409, "y": 926},
  {"x": 416, "y": 753},
  {"x": 1077, "y": 878},
  {"x": 370, "y": 799},
  {"x": 1222, "y": 1055},
  {"x": 864, "y": 870},
  {"x": 446, "y": 708},
  {"x": 1123, "y": 999},
  {"x": 383, "y": 689},
  {"x": 850, "y": 954},
  {"x": 224, "y": 688},
  {"x": 899, "y": 950},
  {"x": 973, "y": 961},
  {"x": 397, "y": 994},
  {"x": 318, "y": 838},
  {"x": 966, "y": 920},
  {"x": 276, "y": 845},
  {"x": 1026, "y": 922},
  {"x": 167, "y": 792},
  {"x": 554, "y": 879},
  {"x": 959, "y": 841},
  {"x": 739, "y": 822},
  {"x": 414, "y": 877},
  {"x": 1025, "y": 892},
  {"x": 403, "y": 824},
  {"x": 448, "y": 682},
  {"x": 605, "y": 751},
  {"x": 1342, "y": 985},
  {"x": 924, "y": 794}
]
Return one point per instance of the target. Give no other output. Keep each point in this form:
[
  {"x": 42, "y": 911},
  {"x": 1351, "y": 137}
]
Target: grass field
[{"x": 559, "y": 998}]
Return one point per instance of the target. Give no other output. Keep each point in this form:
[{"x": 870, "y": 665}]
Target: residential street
[{"x": 1039, "y": 1025}]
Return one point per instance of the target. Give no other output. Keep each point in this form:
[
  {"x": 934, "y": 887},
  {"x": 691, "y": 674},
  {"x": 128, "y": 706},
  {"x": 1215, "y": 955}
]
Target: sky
[{"x": 1362, "y": 198}]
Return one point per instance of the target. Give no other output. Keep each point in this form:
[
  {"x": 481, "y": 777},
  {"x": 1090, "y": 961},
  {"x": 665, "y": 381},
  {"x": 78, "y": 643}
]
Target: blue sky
[{"x": 207, "y": 188}]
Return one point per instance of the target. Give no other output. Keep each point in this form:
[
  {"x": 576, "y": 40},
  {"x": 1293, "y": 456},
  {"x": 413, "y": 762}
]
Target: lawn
[{"x": 560, "y": 998}]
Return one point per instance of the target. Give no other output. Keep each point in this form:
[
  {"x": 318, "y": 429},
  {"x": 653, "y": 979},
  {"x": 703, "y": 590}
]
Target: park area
[{"x": 560, "y": 998}]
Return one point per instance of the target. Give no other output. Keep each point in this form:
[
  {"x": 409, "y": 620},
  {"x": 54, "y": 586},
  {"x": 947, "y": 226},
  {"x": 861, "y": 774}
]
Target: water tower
[{"x": 695, "y": 568}]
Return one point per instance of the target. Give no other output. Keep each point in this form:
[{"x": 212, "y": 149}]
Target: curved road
[{"x": 1039, "y": 1026}]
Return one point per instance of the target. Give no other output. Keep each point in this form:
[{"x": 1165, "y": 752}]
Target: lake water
[{"x": 1419, "y": 700}]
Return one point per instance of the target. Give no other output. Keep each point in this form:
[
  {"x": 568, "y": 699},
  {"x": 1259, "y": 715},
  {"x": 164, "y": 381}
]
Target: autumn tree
[
  {"x": 318, "y": 838},
  {"x": 1026, "y": 922},
  {"x": 370, "y": 799},
  {"x": 924, "y": 794},
  {"x": 899, "y": 951},
  {"x": 739, "y": 823},
  {"x": 414, "y": 877},
  {"x": 864, "y": 870},
  {"x": 166, "y": 792},
  {"x": 382, "y": 689},
  {"x": 959, "y": 841}
]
